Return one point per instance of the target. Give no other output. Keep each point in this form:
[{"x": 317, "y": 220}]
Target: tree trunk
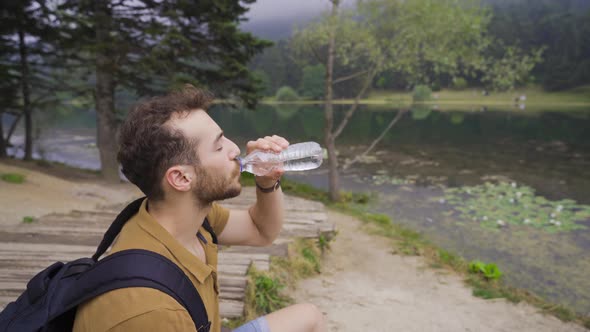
[
  {"x": 25, "y": 86},
  {"x": 329, "y": 137},
  {"x": 2, "y": 141},
  {"x": 106, "y": 126},
  {"x": 13, "y": 128}
]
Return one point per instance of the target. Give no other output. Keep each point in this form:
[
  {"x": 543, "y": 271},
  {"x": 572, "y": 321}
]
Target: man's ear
[{"x": 179, "y": 178}]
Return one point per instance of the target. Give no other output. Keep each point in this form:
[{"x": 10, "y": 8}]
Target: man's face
[{"x": 218, "y": 173}]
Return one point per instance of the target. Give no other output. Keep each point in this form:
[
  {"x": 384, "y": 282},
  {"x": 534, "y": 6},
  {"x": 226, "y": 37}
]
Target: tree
[
  {"x": 312, "y": 82},
  {"x": 512, "y": 68},
  {"x": 24, "y": 33},
  {"x": 280, "y": 66},
  {"x": 339, "y": 40},
  {"x": 419, "y": 39},
  {"x": 147, "y": 47},
  {"x": 561, "y": 28}
]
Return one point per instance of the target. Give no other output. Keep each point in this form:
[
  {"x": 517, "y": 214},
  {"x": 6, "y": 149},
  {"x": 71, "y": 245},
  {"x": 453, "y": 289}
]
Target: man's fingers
[
  {"x": 274, "y": 143},
  {"x": 280, "y": 141}
]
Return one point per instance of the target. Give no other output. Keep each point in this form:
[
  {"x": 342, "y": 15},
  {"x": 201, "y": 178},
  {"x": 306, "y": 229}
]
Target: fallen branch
[{"x": 377, "y": 140}]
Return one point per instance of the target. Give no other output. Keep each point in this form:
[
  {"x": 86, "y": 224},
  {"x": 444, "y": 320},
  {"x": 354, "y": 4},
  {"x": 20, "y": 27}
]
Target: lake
[{"x": 536, "y": 161}]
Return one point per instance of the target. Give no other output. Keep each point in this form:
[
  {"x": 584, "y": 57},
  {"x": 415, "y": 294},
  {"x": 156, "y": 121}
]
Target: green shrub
[
  {"x": 489, "y": 271},
  {"x": 422, "y": 93},
  {"x": 13, "y": 178},
  {"x": 28, "y": 219},
  {"x": 351, "y": 197},
  {"x": 268, "y": 294},
  {"x": 459, "y": 83},
  {"x": 310, "y": 255},
  {"x": 286, "y": 93},
  {"x": 379, "y": 219},
  {"x": 436, "y": 86}
]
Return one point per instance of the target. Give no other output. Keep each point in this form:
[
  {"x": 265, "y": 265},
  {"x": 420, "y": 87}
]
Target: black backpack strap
[
  {"x": 138, "y": 268},
  {"x": 209, "y": 229},
  {"x": 120, "y": 221},
  {"x": 110, "y": 235}
]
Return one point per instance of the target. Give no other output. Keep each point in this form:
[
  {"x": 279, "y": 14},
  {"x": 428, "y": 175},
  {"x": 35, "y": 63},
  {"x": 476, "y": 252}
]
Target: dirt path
[
  {"x": 363, "y": 287},
  {"x": 41, "y": 194}
]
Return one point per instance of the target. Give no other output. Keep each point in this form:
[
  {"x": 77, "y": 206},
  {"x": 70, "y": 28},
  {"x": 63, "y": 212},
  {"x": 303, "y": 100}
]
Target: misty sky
[
  {"x": 273, "y": 10},
  {"x": 274, "y": 19}
]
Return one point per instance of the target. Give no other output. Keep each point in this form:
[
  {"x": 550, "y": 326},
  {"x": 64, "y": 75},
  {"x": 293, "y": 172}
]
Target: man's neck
[{"x": 181, "y": 217}]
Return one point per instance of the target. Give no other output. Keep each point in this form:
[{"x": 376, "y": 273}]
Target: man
[{"x": 178, "y": 156}]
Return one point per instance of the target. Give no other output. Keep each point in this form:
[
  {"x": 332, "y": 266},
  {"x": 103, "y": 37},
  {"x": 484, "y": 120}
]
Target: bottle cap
[{"x": 241, "y": 162}]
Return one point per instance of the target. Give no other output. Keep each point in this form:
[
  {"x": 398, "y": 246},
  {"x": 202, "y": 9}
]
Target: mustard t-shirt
[{"x": 147, "y": 309}]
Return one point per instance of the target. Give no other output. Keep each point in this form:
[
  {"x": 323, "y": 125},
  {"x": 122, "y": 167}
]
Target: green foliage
[
  {"x": 450, "y": 259},
  {"x": 264, "y": 82},
  {"x": 201, "y": 40},
  {"x": 28, "y": 219},
  {"x": 304, "y": 190},
  {"x": 427, "y": 38},
  {"x": 268, "y": 297},
  {"x": 352, "y": 197},
  {"x": 13, "y": 178},
  {"x": 489, "y": 271},
  {"x": 512, "y": 69},
  {"x": 313, "y": 81},
  {"x": 561, "y": 26},
  {"x": 421, "y": 93},
  {"x": 459, "y": 83},
  {"x": 323, "y": 243},
  {"x": 247, "y": 179},
  {"x": 312, "y": 258},
  {"x": 503, "y": 204},
  {"x": 357, "y": 53},
  {"x": 286, "y": 93},
  {"x": 379, "y": 219}
]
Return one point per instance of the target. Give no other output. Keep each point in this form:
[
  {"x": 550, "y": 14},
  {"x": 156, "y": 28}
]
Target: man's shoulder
[
  {"x": 113, "y": 308},
  {"x": 218, "y": 217}
]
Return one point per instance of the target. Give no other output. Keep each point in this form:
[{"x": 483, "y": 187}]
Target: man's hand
[{"x": 271, "y": 144}]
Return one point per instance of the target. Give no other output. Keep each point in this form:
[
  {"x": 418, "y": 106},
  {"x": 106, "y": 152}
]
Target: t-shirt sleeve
[
  {"x": 218, "y": 217},
  {"x": 162, "y": 319}
]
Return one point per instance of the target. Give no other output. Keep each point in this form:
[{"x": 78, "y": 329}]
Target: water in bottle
[{"x": 296, "y": 157}]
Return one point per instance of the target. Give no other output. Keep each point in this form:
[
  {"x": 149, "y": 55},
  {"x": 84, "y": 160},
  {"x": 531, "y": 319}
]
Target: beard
[{"x": 212, "y": 187}]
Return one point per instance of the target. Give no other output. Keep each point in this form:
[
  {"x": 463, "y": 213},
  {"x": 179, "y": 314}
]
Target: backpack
[{"x": 52, "y": 296}]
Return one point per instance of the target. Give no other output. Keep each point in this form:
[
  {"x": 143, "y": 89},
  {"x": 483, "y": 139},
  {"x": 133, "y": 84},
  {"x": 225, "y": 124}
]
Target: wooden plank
[
  {"x": 276, "y": 250},
  {"x": 35, "y": 237},
  {"x": 231, "y": 308},
  {"x": 304, "y": 231},
  {"x": 37, "y": 247},
  {"x": 232, "y": 269},
  {"x": 55, "y": 230},
  {"x": 235, "y": 295}
]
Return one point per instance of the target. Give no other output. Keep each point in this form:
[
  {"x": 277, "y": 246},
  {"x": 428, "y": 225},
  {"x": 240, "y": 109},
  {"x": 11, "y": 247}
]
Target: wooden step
[{"x": 27, "y": 249}]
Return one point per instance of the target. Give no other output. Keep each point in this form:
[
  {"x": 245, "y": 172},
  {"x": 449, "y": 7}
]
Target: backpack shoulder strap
[
  {"x": 208, "y": 228},
  {"x": 110, "y": 235},
  {"x": 138, "y": 268}
]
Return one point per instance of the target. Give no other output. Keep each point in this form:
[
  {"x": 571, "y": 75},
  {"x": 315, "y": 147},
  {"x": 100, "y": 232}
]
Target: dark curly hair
[{"x": 148, "y": 147}]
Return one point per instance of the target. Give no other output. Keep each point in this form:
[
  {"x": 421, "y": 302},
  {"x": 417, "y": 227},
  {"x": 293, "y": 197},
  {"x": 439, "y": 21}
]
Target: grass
[
  {"x": 485, "y": 284},
  {"x": 265, "y": 292},
  {"x": 13, "y": 178},
  {"x": 536, "y": 99},
  {"x": 28, "y": 219}
]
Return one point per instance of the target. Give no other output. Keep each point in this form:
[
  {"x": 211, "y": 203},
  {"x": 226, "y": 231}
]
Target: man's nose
[{"x": 235, "y": 151}]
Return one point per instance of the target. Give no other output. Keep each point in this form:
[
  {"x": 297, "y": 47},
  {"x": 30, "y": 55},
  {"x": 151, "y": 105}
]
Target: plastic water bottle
[{"x": 296, "y": 157}]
